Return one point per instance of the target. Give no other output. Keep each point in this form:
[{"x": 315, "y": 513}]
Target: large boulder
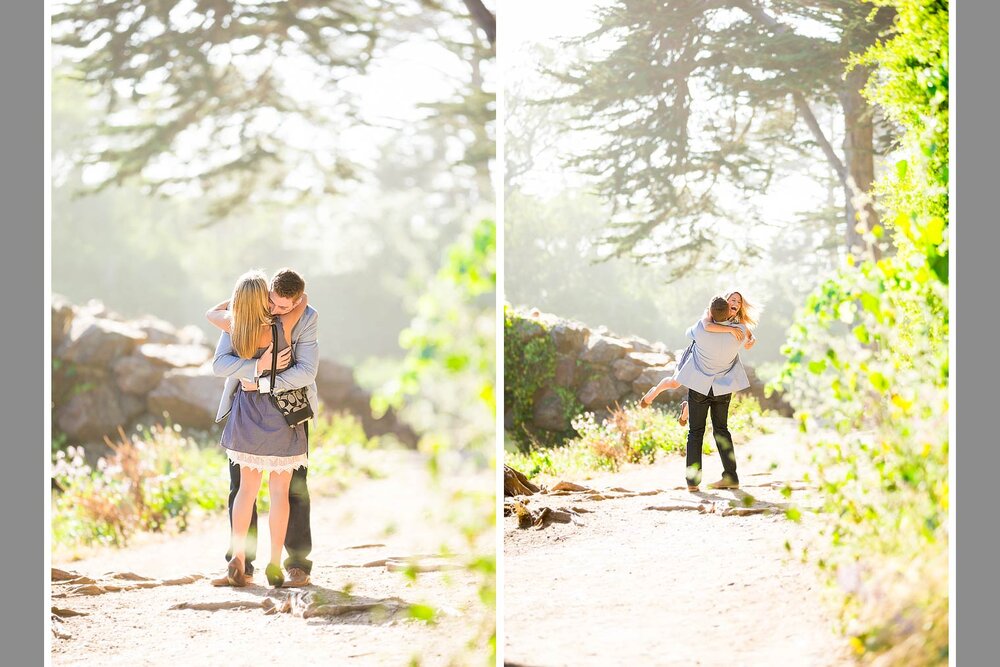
[
  {"x": 334, "y": 382},
  {"x": 157, "y": 330},
  {"x": 190, "y": 396},
  {"x": 639, "y": 344},
  {"x": 650, "y": 377},
  {"x": 69, "y": 379},
  {"x": 96, "y": 308},
  {"x": 175, "y": 355},
  {"x": 98, "y": 342},
  {"x": 339, "y": 392},
  {"x": 549, "y": 411},
  {"x": 603, "y": 350},
  {"x": 569, "y": 337},
  {"x": 137, "y": 375},
  {"x": 598, "y": 392},
  {"x": 626, "y": 370},
  {"x": 91, "y": 413},
  {"x": 524, "y": 330},
  {"x": 63, "y": 313},
  {"x": 131, "y": 406},
  {"x": 647, "y": 359},
  {"x": 565, "y": 373},
  {"x": 192, "y": 335}
]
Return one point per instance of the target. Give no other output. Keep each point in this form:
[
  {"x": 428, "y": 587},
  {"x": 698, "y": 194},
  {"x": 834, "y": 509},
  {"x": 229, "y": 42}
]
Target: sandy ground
[
  {"x": 627, "y": 585},
  {"x": 373, "y": 519}
]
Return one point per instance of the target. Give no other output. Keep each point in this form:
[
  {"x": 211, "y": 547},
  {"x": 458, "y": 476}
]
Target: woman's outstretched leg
[
  {"x": 278, "y": 524},
  {"x": 242, "y": 511}
]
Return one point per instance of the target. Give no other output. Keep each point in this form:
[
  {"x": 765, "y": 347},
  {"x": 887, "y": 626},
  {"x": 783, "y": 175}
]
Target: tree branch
[
  {"x": 759, "y": 14},
  {"x": 484, "y": 18},
  {"x": 824, "y": 143}
]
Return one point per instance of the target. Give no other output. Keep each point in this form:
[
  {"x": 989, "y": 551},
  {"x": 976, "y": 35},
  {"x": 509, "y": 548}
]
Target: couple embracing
[
  {"x": 711, "y": 370},
  {"x": 268, "y": 352}
]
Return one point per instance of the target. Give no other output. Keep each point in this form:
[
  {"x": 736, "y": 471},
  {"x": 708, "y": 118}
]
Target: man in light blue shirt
[
  {"x": 712, "y": 372},
  {"x": 286, "y": 290}
]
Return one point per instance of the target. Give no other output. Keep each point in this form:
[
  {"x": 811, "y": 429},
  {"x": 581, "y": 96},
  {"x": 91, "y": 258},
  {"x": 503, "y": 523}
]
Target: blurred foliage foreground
[
  {"x": 867, "y": 371},
  {"x": 449, "y": 377}
]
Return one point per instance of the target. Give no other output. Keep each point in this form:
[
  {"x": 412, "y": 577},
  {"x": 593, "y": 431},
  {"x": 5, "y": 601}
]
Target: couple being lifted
[{"x": 712, "y": 371}]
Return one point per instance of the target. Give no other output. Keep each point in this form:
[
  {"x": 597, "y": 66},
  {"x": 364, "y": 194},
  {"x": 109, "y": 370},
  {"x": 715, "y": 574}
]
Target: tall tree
[
  {"x": 215, "y": 97},
  {"x": 693, "y": 99}
]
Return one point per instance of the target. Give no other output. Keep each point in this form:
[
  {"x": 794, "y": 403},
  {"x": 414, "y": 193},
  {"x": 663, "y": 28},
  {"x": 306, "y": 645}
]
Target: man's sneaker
[
  {"x": 297, "y": 577},
  {"x": 224, "y": 580},
  {"x": 724, "y": 484}
]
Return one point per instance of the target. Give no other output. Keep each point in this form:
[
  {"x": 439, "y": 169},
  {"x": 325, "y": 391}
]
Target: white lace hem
[{"x": 268, "y": 463}]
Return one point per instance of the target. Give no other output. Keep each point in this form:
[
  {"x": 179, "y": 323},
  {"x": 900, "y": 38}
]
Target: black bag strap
[{"x": 274, "y": 353}]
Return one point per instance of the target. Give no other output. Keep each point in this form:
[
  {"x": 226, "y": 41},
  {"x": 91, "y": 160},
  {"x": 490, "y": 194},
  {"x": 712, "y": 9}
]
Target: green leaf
[
  {"x": 422, "y": 612},
  {"x": 793, "y": 514},
  {"x": 818, "y": 366},
  {"x": 939, "y": 265},
  {"x": 879, "y": 381},
  {"x": 870, "y": 303}
]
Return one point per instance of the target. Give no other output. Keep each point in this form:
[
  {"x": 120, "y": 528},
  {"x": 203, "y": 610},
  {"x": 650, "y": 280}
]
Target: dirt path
[
  {"x": 629, "y": 585},
  {"x": 349, "y": 615}
]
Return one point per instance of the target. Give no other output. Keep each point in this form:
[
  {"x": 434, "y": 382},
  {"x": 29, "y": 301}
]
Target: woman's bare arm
[
  {"x": 712, "y": 327},
  {"x": 218, "y": 316}
]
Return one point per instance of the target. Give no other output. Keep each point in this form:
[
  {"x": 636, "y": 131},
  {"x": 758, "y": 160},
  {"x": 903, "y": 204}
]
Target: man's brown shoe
[
  {"x": 724, "y": 484},
  {"x": 224, "y": 580},
  {"x": 692, "y": 489},
  {"x": 297, "y": 577}
]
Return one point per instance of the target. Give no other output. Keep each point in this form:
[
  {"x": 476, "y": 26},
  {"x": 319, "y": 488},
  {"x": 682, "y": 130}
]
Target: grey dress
[{"x": 256, "y": 435}]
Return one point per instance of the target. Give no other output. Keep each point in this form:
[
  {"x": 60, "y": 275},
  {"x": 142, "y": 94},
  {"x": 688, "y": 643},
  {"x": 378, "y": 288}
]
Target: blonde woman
[
  {"x": 742, "y": 312},
  {"x": 256, "y": 437}
]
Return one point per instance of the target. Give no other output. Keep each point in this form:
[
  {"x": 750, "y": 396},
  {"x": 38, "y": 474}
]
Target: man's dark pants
[
  {"x": 699, "y": 406},
  {"x": 298, "y": 537}
]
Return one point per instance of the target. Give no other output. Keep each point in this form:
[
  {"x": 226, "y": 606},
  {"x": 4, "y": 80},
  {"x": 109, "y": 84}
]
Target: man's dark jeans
[
  {"x": 699, "y": 405},
  {"x": 298, "y": 537}
]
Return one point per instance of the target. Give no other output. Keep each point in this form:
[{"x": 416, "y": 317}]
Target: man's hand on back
[{"x": 264, "y": 363}]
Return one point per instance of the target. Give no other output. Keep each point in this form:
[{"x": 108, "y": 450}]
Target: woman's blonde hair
[
  {"x": 748, "y": 314},
  {"x": 248, "y": 310}
]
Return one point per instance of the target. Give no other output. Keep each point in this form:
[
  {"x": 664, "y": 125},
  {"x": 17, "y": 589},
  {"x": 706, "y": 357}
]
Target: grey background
[
  {"x": 974, "y": 212},
  {"x": 23, "y": 491}
]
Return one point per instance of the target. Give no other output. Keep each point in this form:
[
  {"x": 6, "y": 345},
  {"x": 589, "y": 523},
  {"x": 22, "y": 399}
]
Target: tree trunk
[{"x": 859, "y": 155}]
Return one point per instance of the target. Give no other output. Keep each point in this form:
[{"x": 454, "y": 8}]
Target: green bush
[
  {"x": 152, "y": 480},
  {"x": 529, "y": 363}
]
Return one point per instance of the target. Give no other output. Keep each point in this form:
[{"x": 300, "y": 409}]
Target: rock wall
[
  {"x": 593, "y": 370},
  {"x": 109, "y": 372}
]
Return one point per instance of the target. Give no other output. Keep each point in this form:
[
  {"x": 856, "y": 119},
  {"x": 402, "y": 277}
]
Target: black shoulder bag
[{"x": 294, "y": 403}]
